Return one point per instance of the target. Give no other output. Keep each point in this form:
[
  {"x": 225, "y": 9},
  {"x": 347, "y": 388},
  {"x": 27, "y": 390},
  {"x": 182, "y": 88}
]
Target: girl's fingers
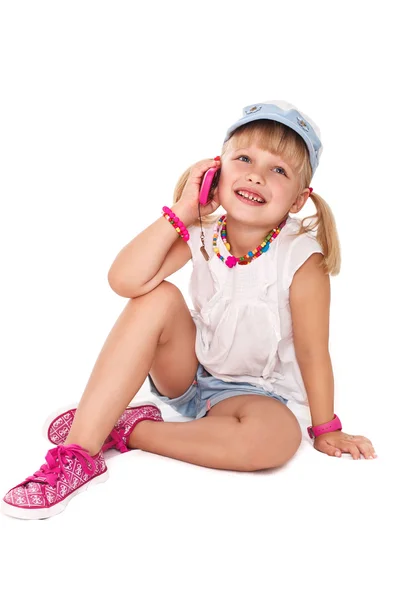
[
  {"x": 356, "y": 449},
  {"x": 353, "y": 450},
  {"x": 365, "y": 446},
  {"x": 326, "y": 448},
  {"x": 204, "y": 165},
  {"x": 368, "y": 450}
]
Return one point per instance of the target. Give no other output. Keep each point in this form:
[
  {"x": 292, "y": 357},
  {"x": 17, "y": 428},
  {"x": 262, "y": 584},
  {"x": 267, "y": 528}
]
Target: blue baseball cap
[{"x": 283, "y": 112}]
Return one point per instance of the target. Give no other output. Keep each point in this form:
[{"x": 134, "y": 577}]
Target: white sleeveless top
[{"x": 242, "y": 315}]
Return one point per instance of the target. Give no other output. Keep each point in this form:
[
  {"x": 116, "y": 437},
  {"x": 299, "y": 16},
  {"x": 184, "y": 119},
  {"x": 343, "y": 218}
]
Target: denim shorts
[{"x": 206, "y": 391}]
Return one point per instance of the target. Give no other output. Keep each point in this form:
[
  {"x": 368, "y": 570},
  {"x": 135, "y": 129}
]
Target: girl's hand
[
  {"x": 189, "y": 201},
  {"x": 336, "y": 442}
]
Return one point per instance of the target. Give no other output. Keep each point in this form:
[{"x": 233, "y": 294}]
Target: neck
[{"x": 243, "y": 239}]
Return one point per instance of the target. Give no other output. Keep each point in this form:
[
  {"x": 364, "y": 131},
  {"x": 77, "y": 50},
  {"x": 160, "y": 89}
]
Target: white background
[{"x": 102, "y": 106}]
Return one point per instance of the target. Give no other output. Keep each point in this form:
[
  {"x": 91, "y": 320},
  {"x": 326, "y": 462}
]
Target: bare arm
[
  {"x": 139, "y": 261},
  {"x": 309, "y": 304}
]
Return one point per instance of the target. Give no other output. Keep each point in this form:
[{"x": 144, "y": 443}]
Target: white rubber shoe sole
[{"x": 45, "y": 513}]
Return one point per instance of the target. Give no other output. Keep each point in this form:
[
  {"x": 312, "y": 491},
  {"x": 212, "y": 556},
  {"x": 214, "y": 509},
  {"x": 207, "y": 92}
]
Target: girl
[{"x": 257, "y": 337}]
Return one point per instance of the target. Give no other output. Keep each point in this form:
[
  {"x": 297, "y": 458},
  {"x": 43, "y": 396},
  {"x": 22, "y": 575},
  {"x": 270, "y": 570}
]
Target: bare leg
[
  {"x": 216, "y": 442},
  {"x": 144, "y": 333},
  {"x": 242, "y": 433},
  {"x": 146, "y": 337}
]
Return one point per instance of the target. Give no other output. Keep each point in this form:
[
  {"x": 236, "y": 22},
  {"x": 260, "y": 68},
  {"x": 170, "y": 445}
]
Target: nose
[{"x": 254, "y": 178}]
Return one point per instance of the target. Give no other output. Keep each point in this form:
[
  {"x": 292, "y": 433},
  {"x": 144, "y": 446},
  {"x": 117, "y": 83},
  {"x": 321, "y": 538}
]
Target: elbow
[{"x": 118, "y": 286}]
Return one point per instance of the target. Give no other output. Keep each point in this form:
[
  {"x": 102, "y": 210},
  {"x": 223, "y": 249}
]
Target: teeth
[{"x": 250, "y": 197}]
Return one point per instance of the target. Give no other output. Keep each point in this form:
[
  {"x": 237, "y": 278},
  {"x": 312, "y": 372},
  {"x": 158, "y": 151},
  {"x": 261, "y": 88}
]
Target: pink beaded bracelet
[{"x": 177, "y": 223}]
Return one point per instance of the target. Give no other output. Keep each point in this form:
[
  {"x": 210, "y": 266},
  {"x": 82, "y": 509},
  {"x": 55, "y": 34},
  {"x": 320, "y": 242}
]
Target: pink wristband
[
  {"x": 176, "y": 222},
  {"x": 316, "y": 430}
]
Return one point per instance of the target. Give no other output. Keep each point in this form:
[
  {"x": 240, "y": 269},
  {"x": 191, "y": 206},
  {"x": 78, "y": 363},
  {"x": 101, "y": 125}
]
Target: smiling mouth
[{"x": 249, "y": 202}]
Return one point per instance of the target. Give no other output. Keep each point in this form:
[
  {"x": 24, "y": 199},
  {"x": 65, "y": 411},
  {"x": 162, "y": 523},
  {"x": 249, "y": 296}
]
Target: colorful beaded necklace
[{"x": 231, "y": 261}]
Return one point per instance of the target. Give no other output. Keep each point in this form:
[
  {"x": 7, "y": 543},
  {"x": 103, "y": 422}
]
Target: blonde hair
[{"x": 283, "y": 141}]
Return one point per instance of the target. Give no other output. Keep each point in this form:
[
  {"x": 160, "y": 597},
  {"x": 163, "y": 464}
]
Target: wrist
[
  {"x": 333, "y": 425},
  {"x": 321, "y": 421},
  {"x": 186, "y": 216}
]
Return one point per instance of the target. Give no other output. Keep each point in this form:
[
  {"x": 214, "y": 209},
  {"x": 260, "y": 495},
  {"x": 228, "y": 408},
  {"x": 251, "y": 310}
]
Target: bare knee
[
  {"x": 264, "y": 451},
  {"x": 162, "y": 297},
  {"x": 164, "y": 291},
  {"x": 163, "y": 303}
]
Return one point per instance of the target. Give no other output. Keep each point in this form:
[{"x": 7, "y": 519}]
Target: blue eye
[
  {"x": 284, "y": 172},
  {"x": 282, "y": 169}
]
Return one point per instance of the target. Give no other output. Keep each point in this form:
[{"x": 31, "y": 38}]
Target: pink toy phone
[{"x": 209, "y": 183}]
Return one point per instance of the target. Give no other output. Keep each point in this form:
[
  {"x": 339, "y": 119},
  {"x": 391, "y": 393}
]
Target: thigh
[
  {"x": 175, "y": 363},
  {"x": 271, "y": 429},
  {"x": 271, "y": 424}
]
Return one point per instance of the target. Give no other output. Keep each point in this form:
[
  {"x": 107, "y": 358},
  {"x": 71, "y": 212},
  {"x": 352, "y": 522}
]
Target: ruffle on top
[
  {"x": 242, "y": 314},
  {"x": 236, "y": 315}
]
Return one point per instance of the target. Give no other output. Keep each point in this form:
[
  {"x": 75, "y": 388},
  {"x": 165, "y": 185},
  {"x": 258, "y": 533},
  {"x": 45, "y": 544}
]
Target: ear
[{"x": 300, "y": 201}]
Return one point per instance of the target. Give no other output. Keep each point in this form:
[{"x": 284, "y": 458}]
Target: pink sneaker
[
  {"x": 69, "y": 470},
  {"x": 57, "y": 426}
]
